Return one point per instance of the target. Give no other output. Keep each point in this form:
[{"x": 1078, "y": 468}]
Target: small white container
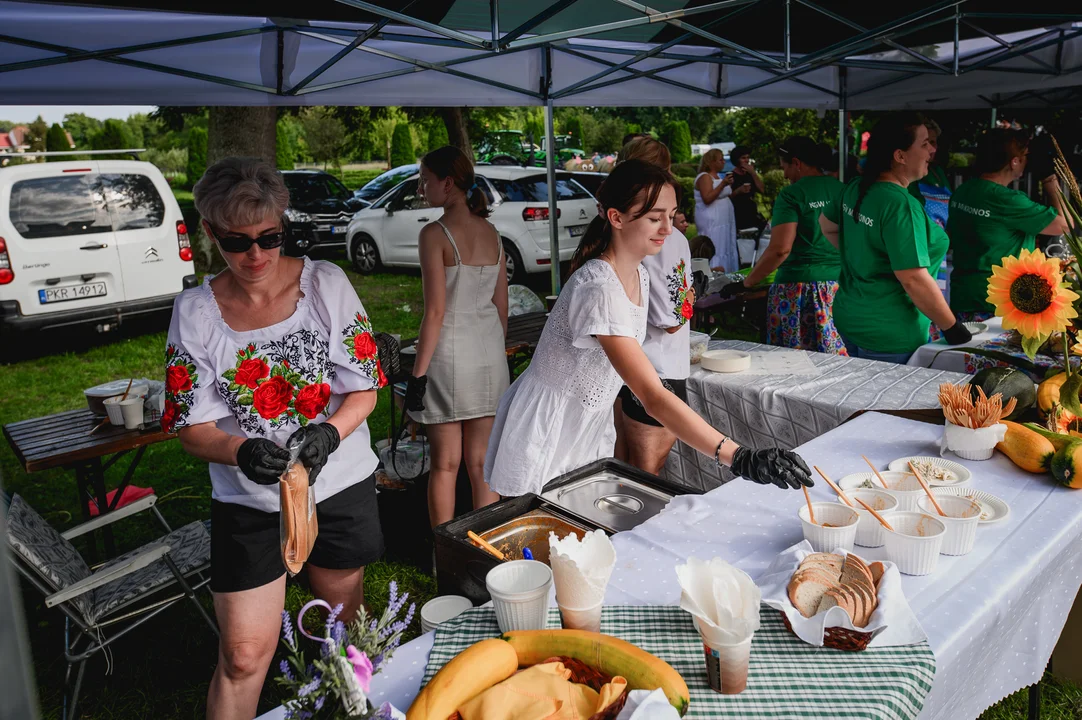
[
  {"x": 520, "y": 594},
  {"x": 588, "y": 619},
  {"x": 441, "y": 609},
  {"x": 915, "y": 542},
  {"x": 131, "y": 410},
  {"x": 700, "y": 343},
  {"x": 963, "y": 516},
  {"x": 870, "y": 530},
  {"x": 114, "y": 411},
  {"x": 828, "y": 539},
  {"x": 902, "y": 485}
]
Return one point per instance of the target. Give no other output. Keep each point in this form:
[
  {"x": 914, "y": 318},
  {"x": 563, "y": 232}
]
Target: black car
[{"x": 320, "y": 208}]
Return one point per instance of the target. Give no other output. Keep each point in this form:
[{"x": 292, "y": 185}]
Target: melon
[{"x": 1008, "y": 382}]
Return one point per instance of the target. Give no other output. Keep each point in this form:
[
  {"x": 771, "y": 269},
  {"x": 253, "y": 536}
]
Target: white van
[{"x": 89, "y": 242}]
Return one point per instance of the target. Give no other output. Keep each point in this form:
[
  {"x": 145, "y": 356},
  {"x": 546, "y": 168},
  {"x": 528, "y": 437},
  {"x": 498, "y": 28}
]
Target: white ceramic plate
[
  {"x": 993, "y": 509},
  {"x": 962, "y": 473},
  {"x": 976, "y": 327}
]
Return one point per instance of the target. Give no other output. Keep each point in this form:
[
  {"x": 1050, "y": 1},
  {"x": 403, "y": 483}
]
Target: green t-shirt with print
[
  {"x": 891, "y": 233},
  {"x": 987, "y": 223},
  {"x": 813, "y": 258}
]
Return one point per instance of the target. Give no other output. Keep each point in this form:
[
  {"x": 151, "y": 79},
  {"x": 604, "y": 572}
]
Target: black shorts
[
  {"x": 245, "y": 547},
  {"x": 633, "y": 408}
]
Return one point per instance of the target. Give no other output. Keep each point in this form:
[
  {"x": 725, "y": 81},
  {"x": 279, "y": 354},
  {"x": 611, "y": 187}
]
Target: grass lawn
[{"x": 163, "y": 670}]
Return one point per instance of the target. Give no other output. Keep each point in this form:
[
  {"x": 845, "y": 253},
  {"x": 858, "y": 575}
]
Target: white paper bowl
[
  {"x": 828, "y": 539},
  {"x": 441, "y": 609},
  {"x": 915, "y": 542},
  {"x": 870, "y": 530},
  {"x": 520, "y": 594},
  {"x": 963, "y": 516},
  {"x": 903, "y": 486}
]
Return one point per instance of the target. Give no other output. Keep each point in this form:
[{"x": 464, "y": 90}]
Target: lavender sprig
[{"x": 287, "y": 631}]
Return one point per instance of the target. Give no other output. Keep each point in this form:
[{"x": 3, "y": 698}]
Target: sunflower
[{"x": 1028, "y": 293}]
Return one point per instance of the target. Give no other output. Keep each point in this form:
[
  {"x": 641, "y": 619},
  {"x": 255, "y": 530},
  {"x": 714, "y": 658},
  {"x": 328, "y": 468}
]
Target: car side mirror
[{"x": 389, "y": 209}]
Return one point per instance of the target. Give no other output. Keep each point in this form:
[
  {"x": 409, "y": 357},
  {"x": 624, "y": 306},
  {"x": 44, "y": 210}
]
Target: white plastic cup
[
  {"x": 905, "y": 488},
  {"x": 441, "y": 609},
  {"x": 114, "y": 411},
  {"x": 870, "y": 530},
  {"x": 581, "y": 618},
  {"x": 727, "y": 666},
  {"x": 829, "y": 539},
  {"x": 915, "y": 542},
  {"x": 520, "y": 594},
  {"x": 963, "y": 516},
  {"x": 131, "y": 410}
]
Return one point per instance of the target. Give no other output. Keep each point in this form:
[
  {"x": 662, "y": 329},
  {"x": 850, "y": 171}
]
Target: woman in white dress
[
  {"x": 558, "y": 415},
  {"x": 714, "y": 216}
]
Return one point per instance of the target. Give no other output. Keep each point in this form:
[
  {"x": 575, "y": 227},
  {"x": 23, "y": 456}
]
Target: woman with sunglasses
[{"x": 273, "y": 352}]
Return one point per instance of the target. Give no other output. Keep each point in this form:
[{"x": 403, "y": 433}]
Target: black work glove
[
  {"x": 732, "y": 289},
  {"x": 318, "y": 441},
  {"x": 262, "y": 461},
  {"x": 957, "y": 334},
  {"x": 415, "y": 393},
  {"x": 783, "y": 468}
]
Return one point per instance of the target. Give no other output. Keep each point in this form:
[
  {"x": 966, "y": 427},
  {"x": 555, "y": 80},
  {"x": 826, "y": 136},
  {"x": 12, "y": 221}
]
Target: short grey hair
[{"x": 236, "y": 192}]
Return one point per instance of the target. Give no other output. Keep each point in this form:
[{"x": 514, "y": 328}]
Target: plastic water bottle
[{"x": 943, "y": 279}]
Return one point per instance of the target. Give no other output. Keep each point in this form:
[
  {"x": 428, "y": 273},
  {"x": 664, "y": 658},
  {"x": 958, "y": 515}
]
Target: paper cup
[
  {"x": 963, "y": 516},
  {"x": 132, "y": 412},
  {"x": 915, "y": 542},
  {"x": 581, "y": 618},
  {"x": 870, "y": 530},
  {"x": 905, "y": 488},
  {"x": 829, "y": 539},
  {"x": 441, "y": 609},
  {"x": 114, "y": 411},
  {"x": 727, "y": 666},
  {"x": 520, "y": 594}
]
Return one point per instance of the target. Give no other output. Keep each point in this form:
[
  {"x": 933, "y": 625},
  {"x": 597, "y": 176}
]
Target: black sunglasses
[{"x": 243, "y": 243}]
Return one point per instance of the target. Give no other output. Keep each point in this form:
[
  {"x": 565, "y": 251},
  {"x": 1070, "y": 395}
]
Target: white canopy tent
[{"x": 569, "y": 52}]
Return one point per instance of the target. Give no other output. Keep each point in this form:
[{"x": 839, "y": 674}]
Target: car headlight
[{"x": 297, "y": 216}]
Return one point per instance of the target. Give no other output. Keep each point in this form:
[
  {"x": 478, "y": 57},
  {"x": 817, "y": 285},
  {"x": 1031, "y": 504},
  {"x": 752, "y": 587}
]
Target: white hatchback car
[
  {"x": 89, "y": 243},
  {"x": 387, "y": 232}
]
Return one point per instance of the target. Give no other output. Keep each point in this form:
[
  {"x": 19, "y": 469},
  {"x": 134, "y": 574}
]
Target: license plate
[
  {"x": 338, "y": 230},
  {"x": 577, "y": 230},
  {"x": 71, "y": 292}
]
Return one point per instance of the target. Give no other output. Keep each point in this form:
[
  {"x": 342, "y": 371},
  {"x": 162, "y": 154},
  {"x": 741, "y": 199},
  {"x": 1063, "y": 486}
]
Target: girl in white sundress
[
  {"x": 557, "y": 416},
  {"x": 461, "y": 368},
  {"x": 714, "y": 215}
]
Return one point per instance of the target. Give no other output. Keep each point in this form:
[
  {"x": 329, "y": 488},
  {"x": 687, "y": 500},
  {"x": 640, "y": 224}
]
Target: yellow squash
[
  {"x": 605, "y": 653},
  {"x": 1026, "y": 448},
  {"x": 1048, "y": 391},
  {"x": 475, "y": 669},
  {"x": 1067, "y": 465}
]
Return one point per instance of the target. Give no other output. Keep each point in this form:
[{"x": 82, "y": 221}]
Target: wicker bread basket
[{"x": 839, "y": 638}]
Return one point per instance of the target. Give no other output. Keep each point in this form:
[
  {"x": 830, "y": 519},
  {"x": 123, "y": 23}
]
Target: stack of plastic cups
[
  {"x": 726, "y": 662},
  {"x": 520, "y": 594},
  {"x": 581, "y": 571}
]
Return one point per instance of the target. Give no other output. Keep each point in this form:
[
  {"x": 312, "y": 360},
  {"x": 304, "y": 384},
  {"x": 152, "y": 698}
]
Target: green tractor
[
  {"x": 513, "y": 147},
  {"x": 565, "y": 150}
]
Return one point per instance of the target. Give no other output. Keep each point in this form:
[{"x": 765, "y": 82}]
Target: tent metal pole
[
  {"x": 843, "y": 124},
  {"x": 550, "y": 172},
  {"x": 550, "y": 11},
  {"x": 494, "y": 9},
  {"x": 417, "y": 23},
  {"x": 993, "y": 117},
  {"x": 357, "y": 42},
  {"x": 957, "y": 28},
  {"x": 788, "y": 51}
]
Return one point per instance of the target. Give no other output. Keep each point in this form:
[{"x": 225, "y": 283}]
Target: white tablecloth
[
  {"x": 992, "y": 616},
  {"x": 788, "y": 410},
  {"x": 929, "y": 355}
]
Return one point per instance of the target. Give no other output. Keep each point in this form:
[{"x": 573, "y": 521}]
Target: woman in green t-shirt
[
  {"x": 799, "y": 302},
  {"x": 889, "y": 252},
  {"x": 989, "y": 220}
]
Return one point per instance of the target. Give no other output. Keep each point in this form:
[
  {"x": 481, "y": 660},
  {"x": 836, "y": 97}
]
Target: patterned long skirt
[{"x": 800, "y": 315}]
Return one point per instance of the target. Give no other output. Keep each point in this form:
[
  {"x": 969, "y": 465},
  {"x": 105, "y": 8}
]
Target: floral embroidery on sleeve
[
  {"x": 181, "y": 382},
  {"x": 361, "y": 346},
  {"x": 678, "y": 293}
]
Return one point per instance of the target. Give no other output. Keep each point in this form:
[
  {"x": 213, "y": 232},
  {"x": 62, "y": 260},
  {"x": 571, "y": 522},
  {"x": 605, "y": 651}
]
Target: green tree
[
  {"x": 324, "y": 134},
  {"x": 573, "y": 127},
  {"x": 402, "y": 146},
  {"x": 39, "y": 130},
  {"x": 437, "y": 135},
  {"x": 114, "y": 135},
  {"x": 677, "y": 136},
  {"x": 171, "y": 162},
  {"x": 287, "y": 132},
  {"x": 6, "y": 125},
  {"x": 57, "y": 141},
  {"x": 81, "y": 127},
  {"x": 610, "y": 133},
  {"x": 763, "y": 129},
  {"x": 197, "y": 154}
]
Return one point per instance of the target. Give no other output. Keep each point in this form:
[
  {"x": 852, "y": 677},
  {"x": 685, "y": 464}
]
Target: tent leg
[
  {"x": 994, "y": 118},
  {"x": 554, "y": 223},
  {"x": 843, "y": 123}
]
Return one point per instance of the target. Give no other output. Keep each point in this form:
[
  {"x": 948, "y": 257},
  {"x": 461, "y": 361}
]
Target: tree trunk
[
  {"x": 241, "y": 132},
  {"x": 457, "y": 131}
]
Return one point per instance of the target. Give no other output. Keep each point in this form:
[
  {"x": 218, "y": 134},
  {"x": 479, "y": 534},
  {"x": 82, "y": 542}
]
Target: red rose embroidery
[
  {"x": 312, "y": 399},
  {"x": 177, "y": 379},
  {"x": 364, "y": 347},
  {"x": 382, "y": 377},
  {"x": 250, "y": 372},
  {"x": 169, "y": 416},
  {"x": 271, "y": 399},
  {"x": 686, "y": 310}
]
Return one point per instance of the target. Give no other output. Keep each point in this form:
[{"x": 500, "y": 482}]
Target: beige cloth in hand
[{"x": 541, "y": 692}]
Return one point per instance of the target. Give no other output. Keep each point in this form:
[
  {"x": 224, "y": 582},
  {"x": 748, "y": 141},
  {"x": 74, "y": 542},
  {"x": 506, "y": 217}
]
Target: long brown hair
[
  {"x": 627, "y": 184},
  {"x": 647, "y": 149},
  {"x": 897, "y": 131},
  {"x": 450, "y": 162}
]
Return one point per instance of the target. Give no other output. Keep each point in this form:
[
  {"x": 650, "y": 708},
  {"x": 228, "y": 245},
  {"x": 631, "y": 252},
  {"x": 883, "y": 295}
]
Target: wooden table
[{"x": 65, "y": 440}]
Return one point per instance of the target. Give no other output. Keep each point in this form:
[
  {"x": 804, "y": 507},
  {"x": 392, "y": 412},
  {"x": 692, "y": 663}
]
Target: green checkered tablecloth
[{"x": 787, "y": 678}]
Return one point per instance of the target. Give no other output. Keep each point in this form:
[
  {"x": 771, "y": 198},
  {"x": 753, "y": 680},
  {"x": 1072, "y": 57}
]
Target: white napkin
[
  {"x": 723, "y": 600},
  {"x": 581, "y": 568},
  {"x": 648, "y": 705},
  {"x": 892, "y": 623}
]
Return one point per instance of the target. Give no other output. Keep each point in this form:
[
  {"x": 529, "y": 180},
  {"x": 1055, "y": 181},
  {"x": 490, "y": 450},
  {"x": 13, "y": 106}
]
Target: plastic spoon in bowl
[
  {"x": 485, "y": 544},
  {"x": 876, "y": 515},
  {"x": 875, "y": 470},
  {"x": 811, "y": 511},
  {"x": 835, "y": 488},
  {"x": 927, "y": 489}
]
